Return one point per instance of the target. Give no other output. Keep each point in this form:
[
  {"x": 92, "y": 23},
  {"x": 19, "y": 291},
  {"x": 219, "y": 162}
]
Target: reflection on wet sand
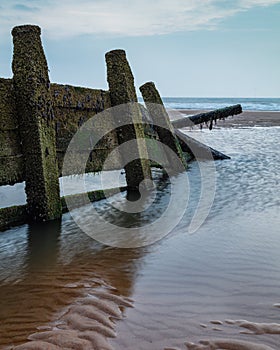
[
  {"x": 68, "y": 294},
  {"x": 85, "y": 325}
]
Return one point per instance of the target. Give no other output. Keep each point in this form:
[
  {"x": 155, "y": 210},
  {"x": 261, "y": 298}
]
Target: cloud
[
  {"x": 67, "y": 18},
  {"x": 252, "y": 3},
  {"x": 22, "y": 7}
]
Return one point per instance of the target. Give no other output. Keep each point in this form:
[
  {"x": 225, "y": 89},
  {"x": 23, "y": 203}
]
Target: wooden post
[
  {"x": 122, "y": 91},
  {"x": 37, "y": 132},
  {"x": 160, "y": 120}
]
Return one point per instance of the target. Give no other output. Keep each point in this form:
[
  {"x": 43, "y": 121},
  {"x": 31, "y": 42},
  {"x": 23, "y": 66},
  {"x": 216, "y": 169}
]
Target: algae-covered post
[
  {"x": 36, "y": 123},
  {"x": 122, "y": 91},
  {"x": 160, "y": 119}
]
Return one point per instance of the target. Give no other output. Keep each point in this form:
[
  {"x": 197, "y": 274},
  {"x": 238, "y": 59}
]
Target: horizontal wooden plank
[
  {"x": 8, "y": 114},
  {"x": 80, "y": 98},
  {"x": 11, "y": 170},
  {"x": 12, "y": 216},
  {"x": 94, "y": 163},
  {"x": 17, "y": 215},
  {"x": 9, "y": 143}
]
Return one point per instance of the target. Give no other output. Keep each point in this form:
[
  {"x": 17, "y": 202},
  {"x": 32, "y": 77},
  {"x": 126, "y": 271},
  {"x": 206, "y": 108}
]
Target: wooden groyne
[
  {"x": 38, "y": 119},
  {"x": 208, "y": 117}
]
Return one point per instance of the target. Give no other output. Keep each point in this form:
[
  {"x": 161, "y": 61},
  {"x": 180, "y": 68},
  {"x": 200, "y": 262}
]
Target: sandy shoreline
[{"x": 247, "y": 118}]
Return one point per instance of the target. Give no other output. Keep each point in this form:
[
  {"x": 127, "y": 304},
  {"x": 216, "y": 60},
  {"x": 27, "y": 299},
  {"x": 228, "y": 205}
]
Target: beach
[
  {"x": 212, "y": 288},
  {"x": 215, "y": 288}
]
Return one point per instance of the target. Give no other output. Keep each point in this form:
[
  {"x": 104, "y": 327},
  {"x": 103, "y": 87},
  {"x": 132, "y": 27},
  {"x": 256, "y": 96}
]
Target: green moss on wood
[
  {"x": 74, "y": 106},
  {"x": 161, "y": 120},
  {"x": 9, "y": 143},
  {"x": 122, "y": 91},
  {"x": 12, "y": 216},
  {"x": 48, "y": 115},
  {"x": 92, "y": 196},
  {"x": 8, "y": 115},
  {"x": 36, "y": 122},
  {"x": 12, "y": 170},
  {"x": 80, "y": 98},
  {"x": 17, "y": 215},
  {"x": 67, "y": 119}
]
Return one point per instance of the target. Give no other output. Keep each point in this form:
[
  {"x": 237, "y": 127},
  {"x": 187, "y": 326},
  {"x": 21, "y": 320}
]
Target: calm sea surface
[
  {"x": 182, "y": 288},
  {"x": 248, "y": 104}
]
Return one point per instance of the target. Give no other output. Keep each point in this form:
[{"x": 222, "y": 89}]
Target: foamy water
[{"x": 218, "y": 288}]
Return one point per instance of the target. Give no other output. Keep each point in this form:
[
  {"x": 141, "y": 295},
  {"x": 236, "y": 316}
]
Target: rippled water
[{"x": 185, "y": 288}]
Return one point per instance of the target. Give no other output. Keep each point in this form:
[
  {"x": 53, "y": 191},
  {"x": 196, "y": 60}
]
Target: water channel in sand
[{"x": 218, "y": 288}]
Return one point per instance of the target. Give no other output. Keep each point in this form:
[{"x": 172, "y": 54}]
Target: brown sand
[
  {"x": 245, "y": 119},
  {"x": 86, "y": 325},
  {"x": 69, "y": 307}
]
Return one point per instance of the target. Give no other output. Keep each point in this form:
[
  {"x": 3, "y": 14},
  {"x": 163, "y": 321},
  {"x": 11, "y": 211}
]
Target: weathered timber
[
  {"x": 198, "y": 150},
  {"x": 161, "y": 121},
  {"x": 122, "y": 92},
  {"x": 36, "y": 124},
  {"x": 74, "y": 106},
  {"x": 11, "y": 164},
  {"x": 17, "y": 215},
  {"x": 12, "y": 216},
  {"x": 208, "y": 117}
]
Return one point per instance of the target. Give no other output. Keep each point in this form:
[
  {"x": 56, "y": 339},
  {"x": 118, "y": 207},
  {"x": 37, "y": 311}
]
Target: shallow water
[{"x": 183, "y": 289}]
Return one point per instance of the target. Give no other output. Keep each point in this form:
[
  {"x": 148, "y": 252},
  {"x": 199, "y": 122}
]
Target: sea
[
  {"x": 207, "y": 284},
  {"x": 202, "y": 103}
]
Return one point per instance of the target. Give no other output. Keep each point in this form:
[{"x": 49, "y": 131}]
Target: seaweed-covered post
[
  {"x": 161, "y": 119},
  {"x": 122, "y": 91},
  {"x": 37, "y": 132}
]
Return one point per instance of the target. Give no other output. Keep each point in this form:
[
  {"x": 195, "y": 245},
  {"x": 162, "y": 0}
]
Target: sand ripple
[
  {"x": 86, "y": 325},
  {"x": 254, "y": 328},
  {"x": 257, "y": 328},
  {"x": 226, "y": 344}
]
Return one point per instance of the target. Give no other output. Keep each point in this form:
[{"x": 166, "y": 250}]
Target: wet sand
[
  {"x": 61, "y": 292},
  {"x": 252, "y": 328},
  {"x": 85, "y": 325},
  {"x": 71, "y": 308},
  {"x": 245, "y": 119}
]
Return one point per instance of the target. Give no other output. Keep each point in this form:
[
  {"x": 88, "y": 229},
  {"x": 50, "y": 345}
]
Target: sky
[{"x": 189, "y": 48}]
